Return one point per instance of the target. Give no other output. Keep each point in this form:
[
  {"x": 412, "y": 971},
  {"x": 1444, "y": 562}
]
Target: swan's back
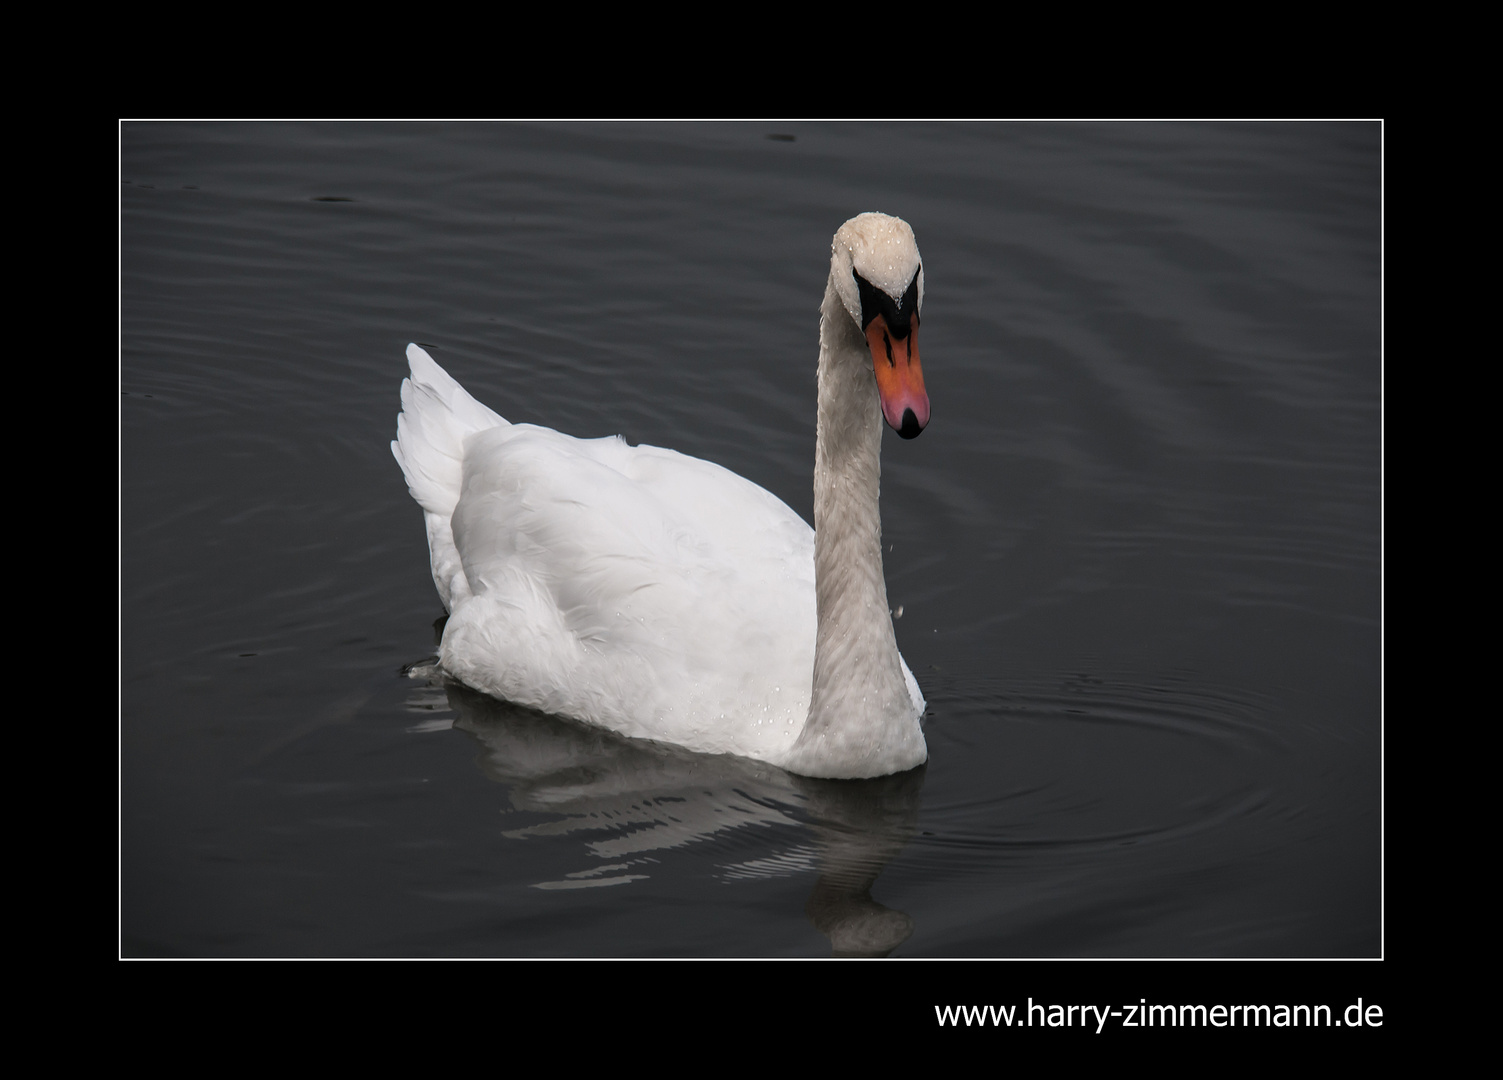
[{"x": 637, "y": 588}]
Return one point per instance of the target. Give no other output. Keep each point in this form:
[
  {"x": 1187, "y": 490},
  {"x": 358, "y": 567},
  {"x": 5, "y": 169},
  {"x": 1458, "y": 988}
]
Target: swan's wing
[
  {"x": 633, "y": 586},
  {"x": 610, "y": 527},
  {"x": 437, "y": 416}
]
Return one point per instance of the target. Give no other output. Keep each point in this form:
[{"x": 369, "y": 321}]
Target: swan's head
[{"x": 875, "y": 264}]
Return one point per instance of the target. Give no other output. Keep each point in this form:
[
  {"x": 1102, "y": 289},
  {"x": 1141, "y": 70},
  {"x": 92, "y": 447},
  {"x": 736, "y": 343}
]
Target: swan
[{"x": 666, "y": 598}]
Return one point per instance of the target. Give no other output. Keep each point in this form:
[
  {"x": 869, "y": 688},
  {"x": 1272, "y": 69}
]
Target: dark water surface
[{"x": 1138, "y": 548}]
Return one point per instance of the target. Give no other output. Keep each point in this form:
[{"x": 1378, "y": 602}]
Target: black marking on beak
[{"x": 900, "y": 314}]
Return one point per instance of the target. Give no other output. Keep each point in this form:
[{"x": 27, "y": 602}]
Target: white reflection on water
[{"x": 623, "y": 797}]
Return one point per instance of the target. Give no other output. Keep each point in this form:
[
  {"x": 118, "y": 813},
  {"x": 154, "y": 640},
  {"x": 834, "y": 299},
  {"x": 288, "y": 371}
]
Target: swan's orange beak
[{"x": 900, "y": 379}]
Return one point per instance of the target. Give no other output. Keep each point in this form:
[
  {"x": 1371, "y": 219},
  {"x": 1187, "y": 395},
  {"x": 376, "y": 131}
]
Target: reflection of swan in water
[
  {"x": 630, "y": 801},
  {"x": 860, "y": 832}
]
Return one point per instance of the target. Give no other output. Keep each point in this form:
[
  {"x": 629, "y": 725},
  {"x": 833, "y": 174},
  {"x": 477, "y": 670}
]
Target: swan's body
[{"x": 664, "y": 597}]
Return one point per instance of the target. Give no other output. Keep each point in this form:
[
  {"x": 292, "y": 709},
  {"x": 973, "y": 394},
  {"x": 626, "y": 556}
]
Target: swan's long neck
[{"x": 862, "y": 720}]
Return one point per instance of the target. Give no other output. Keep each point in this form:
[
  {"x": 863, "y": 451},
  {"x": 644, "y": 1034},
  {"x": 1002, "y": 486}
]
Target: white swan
[{"x": 664, "y": 597}]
